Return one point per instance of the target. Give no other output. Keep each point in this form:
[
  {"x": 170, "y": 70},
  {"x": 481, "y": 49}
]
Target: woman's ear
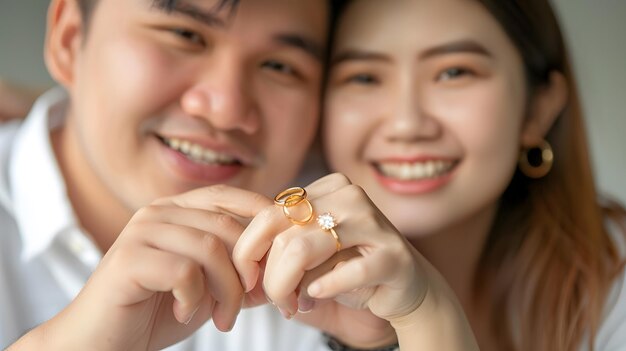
[
  {"x": 546, "y": 105},
  {"x": 64, "y": 37}
]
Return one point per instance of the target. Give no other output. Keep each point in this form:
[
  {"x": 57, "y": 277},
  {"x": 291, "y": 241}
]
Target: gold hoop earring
[{"x": 535, "y": 162}]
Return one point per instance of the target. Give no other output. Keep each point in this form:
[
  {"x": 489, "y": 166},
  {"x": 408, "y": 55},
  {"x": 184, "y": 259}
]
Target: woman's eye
[
  {"x": 189, "y": 36},
  {"x": 279, "y": 67},
  {"x": 453, "y": 73},
  {"x": 363, "y": 78}
]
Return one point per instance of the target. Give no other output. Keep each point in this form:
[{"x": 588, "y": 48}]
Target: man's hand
[{"x": 169, "y": 271}]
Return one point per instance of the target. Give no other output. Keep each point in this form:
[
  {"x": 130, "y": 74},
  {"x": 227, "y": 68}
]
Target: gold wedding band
[
  {"x": 296, "y": 194},
  {"x": 328, "y": 223},
  {"x": 300, "y": 199},
  {"x": 293, "y": 197}
]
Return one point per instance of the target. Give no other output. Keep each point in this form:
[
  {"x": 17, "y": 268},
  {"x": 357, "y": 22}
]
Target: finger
[
  {"x": 154, "y": 270},
  {"x": 307, "y": 303},
  {"x": 360, "y": 272},
  {"x": 220, "y": 198},
  {"x": 293, "y": 253},
  {"x": 224, "y": 226},
  {"x": 211, "y": 253},
  {"x": 327, "y": 184},
  {"x": 358, "y": 222},
  {"x": 257, "y": 238},
  {"x": 255, "y": 242}
]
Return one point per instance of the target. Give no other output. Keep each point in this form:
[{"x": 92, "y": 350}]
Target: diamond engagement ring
[{"x": 328, "y": 223}]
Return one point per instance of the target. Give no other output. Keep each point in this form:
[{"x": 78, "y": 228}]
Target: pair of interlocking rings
[{"x": 292, "y": 197}]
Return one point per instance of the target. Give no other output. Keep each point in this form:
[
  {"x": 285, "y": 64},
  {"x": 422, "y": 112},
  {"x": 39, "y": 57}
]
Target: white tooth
[
  {"x": 384, "y": 168},
  {"x": 423, "y": 172},
  {"x": 185, "y": 146},
  {"x": 411, "y": 172},
  {"x": 430, "y": 169},
  {"x": 174, "y": 143},
  {"x": 195, "y": 151},
  {"x": 439, "y": 166},
  {"x": 223, "y": 158},
  {"x": 405, "y": 172},
  {"x": 393, "y": 169},
  {"x": 209, "y": 156}
]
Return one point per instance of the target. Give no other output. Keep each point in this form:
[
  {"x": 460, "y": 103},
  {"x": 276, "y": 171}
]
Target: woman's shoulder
[{"x": 612, "y": 332}]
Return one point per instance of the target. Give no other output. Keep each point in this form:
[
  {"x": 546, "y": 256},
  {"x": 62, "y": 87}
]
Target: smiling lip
[
  {"x": 415, "y": 175},
  {"x": 197, "y": 170}
]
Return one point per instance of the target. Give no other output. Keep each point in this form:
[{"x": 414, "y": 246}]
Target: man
[{"x": 160, "y": 98}]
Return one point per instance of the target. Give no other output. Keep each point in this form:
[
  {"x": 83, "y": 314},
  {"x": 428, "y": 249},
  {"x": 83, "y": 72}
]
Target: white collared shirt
[{"x": 46, "y": 258}]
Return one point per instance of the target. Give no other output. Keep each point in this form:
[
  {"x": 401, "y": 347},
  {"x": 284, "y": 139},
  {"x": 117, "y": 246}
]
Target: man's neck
[{"x": 100, "y": 214}]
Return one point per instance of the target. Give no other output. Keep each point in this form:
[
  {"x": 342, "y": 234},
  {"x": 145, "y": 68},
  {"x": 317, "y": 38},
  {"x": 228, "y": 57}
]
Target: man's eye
[
  {"x": 362, "y": 78},
  {"x": 279, "y": 67},
  {"x": 453, "y": 73},
  {"x": 189, "y": 36}
]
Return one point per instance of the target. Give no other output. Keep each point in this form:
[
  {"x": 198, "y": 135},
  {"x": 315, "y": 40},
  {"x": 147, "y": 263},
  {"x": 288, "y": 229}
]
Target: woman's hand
[
  {"x": 377, "y": 269},
  {"x": 166, "y": 275}
]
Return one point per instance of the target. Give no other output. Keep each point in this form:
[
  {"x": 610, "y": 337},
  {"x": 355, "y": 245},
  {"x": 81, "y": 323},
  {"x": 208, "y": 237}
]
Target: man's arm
[{"x": 15, "y": 100}]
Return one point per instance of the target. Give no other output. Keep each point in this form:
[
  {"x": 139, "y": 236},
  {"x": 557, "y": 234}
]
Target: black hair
[{"x": 87, "y": 7}]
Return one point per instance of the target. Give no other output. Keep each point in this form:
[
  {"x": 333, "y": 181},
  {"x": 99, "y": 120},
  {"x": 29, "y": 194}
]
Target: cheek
[
  {"x": 129, "y": 90},
  {"x": 485, "y": 119},
  {"x": 346, "y": 123},
  {"x": 289, "y": 126},
  {"x": 486, "y": 123},
  {"x": 134, "y": 76}
]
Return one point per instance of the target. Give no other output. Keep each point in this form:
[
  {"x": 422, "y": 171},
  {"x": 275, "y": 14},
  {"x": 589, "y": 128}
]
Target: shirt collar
[{"x": 41, "y": 206}]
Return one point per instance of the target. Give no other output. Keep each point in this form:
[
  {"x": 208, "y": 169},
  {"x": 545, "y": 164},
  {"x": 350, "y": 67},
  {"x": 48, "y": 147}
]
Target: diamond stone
[{"x": 326, "y": 221}]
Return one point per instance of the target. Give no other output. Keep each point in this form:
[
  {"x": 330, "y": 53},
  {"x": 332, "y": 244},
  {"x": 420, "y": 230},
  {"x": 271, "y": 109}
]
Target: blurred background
[{"x": 595, "y": 31}]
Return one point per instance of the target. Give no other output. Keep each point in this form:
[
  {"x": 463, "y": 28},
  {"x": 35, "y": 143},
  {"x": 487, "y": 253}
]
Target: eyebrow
[
  {"x": 456, "y": 47},
  {"x": 359, "y": 55},
  {"x": 308, "y": 45},
  {"x": 208, "y": 18},
  {"x": 461, "y": 46}
]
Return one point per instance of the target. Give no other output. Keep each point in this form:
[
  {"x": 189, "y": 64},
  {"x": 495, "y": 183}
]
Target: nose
[
  {"x": 409, "y": 119},
  {"x": 221, "y": 96}
]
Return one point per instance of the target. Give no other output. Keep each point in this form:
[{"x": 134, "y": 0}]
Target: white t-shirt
[
  {"x": 45, "y": 257},
  {"x": 612, "y": 333}
]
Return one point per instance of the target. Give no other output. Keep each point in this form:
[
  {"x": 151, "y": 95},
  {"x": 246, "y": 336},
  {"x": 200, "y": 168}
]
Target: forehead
[
  {"x": 303, "y": 15},
  {"x": 416, "y": 23},
  {"x": 251, "y": 24}
]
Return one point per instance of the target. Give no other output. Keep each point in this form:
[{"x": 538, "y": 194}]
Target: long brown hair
[{"x": 549, "y": 261}]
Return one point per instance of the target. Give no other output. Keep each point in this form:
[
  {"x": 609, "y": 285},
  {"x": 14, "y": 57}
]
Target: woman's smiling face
[{"x": 424, "y": 109}]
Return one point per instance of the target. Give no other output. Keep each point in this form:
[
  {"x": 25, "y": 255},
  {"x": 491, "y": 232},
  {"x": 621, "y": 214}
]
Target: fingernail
[
  {"x": 305, "y": 305},
  {"x": 244, "y": 285},
  {"x": 314, "y": 290},
  {"x": 191, "y": 316},
  {"x": 232, "y": 324},
  {"x": 269, "y": 300},
  {"x": 285, "y": 313}
]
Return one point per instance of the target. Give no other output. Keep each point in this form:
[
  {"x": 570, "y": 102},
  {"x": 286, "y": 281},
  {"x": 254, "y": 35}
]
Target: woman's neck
[{"x": 456, "y": 251}]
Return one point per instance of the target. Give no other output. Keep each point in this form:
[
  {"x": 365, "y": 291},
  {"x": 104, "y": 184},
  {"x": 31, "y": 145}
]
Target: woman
[{"x": 428, "y": 106}]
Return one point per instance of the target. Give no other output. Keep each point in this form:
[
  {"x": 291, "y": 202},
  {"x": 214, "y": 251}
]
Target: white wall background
[{"x": 596, "y": 31}]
